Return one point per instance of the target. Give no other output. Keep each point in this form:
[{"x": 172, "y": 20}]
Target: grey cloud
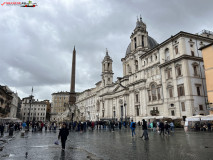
[{"x": 36, "y": 44}]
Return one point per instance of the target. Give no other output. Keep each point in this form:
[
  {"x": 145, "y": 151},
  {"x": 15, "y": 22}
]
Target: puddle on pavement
[
  {"x": 90, "y": 156},
  {"x": 12, "y": 155}
]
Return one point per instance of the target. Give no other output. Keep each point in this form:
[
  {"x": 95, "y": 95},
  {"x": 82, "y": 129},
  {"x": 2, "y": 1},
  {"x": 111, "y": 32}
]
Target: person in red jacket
[{"x": 93, "y": 125}]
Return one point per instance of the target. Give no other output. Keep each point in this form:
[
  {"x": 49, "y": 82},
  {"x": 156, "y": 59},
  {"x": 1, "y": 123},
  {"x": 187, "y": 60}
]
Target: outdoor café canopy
[
  {"x": 194, "y": 118},
  {"x": 207, "y": 118},
  {"x": 161, "y": 117}
]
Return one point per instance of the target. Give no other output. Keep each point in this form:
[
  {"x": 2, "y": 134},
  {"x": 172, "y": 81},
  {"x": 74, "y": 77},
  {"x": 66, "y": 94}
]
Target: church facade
[{"x": 165, "y": 79}]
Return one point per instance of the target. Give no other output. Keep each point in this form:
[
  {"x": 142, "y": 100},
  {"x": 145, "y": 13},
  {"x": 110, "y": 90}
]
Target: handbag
[{"x": 56, "y": 142}]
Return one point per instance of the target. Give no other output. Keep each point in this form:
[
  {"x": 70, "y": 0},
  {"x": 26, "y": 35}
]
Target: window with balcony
[
  {"x": 172, "y": 112},
  {"x": 154, "y": 112}
]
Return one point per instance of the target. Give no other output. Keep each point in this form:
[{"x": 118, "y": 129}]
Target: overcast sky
[{"x": 36, "y": 44}]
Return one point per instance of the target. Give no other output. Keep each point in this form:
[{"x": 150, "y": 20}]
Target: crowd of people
[
  {"x": 9, "y": 127},
  {"x": 161, "y": 127}
]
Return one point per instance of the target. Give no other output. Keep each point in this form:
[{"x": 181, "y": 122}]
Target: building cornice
[
  {"x": 180, "y": 34},
  {"x": 180, "y": 58},
  {"x": 136, "y": 82}
]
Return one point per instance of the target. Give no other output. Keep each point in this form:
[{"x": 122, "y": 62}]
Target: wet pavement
[{"x": 104, "y": 145}]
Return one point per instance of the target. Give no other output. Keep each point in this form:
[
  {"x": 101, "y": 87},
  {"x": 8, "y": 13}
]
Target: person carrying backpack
[{"x": 133, "y": 126}]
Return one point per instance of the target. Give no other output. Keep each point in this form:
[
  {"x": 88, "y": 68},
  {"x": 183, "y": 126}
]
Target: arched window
[
  {"x": 167, "y": 56},
  {"x": 129, "y": 69},
  {"x": 153, "y": 92}
]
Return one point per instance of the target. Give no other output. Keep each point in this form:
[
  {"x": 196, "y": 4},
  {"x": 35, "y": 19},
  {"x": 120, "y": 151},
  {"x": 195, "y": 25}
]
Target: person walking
[
  {"x": 133, "y": 126},
  {"x": 154, "y": 125},
  {"x": 119, "y": 124},
  {"x": 145, "y": 132},
  {"x": 172, "y": 126},
  {"x": 161, "y": 126},
  {"x": 167, "y": 128},
  {"x": 23, "y": 126},
  {"x": 112, "y": 126},
  {"x": 2, "y": 129},
  {"x": 63, "y": 133}
]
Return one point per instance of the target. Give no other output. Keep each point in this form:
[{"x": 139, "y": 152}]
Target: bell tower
[
  {"x": 139, "y": 37},
  {"x": 107, "y": 73}
]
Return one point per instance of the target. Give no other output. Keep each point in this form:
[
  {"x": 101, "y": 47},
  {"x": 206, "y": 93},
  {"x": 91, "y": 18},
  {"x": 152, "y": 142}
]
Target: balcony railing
[{"x": 154, "y": 112}]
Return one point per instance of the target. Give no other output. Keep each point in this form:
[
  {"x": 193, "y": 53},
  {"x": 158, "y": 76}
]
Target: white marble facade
[{"x": 165, "y": 79}]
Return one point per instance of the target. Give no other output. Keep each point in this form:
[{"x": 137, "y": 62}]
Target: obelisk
[{"x": 72, "y": 86}]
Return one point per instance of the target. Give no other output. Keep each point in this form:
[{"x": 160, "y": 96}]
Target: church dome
[{"x": 151, "y": 44}]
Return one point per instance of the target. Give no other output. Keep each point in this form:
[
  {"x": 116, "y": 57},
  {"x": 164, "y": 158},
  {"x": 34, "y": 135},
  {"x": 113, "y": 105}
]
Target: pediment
[{"x": 118, "y": 88}]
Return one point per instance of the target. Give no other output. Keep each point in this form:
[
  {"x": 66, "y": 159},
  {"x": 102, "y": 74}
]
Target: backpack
[{"x": 133, "y": 125}]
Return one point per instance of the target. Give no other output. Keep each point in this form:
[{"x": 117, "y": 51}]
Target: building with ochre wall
[{"x": 207, "y": 52}]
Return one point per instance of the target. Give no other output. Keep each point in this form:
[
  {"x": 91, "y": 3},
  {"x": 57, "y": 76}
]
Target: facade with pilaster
[{"x": 165, "y": 79}]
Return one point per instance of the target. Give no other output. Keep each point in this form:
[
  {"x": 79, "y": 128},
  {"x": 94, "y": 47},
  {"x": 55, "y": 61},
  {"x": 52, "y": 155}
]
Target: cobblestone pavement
[{"x": 104, "y": 145}]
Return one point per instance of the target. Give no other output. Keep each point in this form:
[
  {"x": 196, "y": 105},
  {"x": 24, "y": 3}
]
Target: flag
[{"x": 32, "y": 89}]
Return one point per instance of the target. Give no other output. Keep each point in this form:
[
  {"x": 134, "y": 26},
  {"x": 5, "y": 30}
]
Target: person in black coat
[
  {"x": 161, "y": 126},
  {"x": 63, "y": 133},
  {"x": 2, "y": 129},
  {"x": 144, "y": 128}
]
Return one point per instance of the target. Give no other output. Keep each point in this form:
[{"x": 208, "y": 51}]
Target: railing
[{"x": 154, "y": 112}]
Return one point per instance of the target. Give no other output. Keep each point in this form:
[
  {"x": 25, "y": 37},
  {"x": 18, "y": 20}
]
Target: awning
[
  {"x": 194, "y": 118},
  {"x": 153, "y": 117},
  {"x": 207, "y": 118},
  {"x": 173, "y": 117}
]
